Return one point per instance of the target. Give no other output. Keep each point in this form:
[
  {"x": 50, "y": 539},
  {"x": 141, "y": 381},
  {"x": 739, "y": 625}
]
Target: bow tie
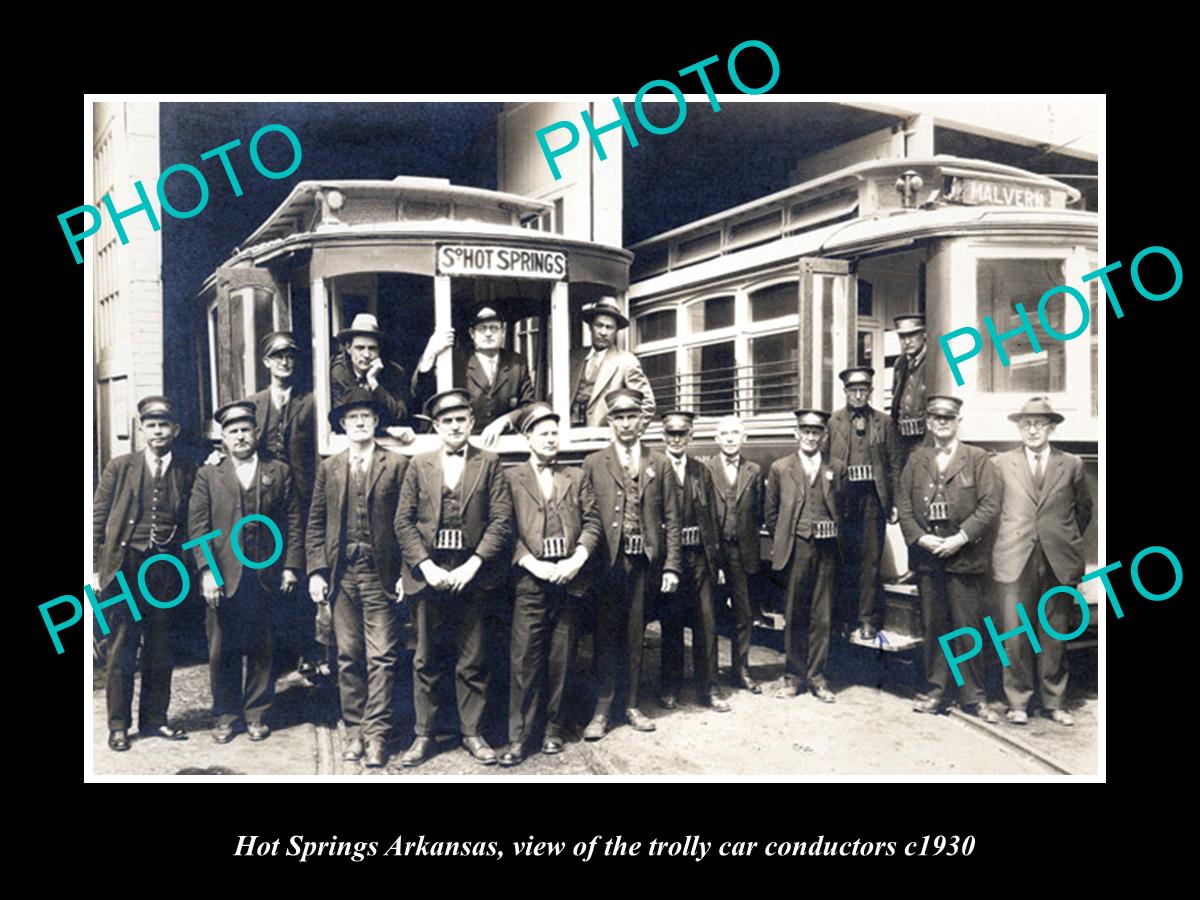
[
  {"x": 945, "y": 451},
  {"x": 461, "y": 452}
]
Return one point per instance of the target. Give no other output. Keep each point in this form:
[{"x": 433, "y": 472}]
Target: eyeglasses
[
  {"x": 1032, "y": 425},
  {"x": 490, "y": 329}
]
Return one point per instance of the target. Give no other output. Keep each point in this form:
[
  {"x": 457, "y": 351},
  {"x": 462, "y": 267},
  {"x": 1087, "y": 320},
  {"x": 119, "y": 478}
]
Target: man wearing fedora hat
[
  {"x": 454, "y": 523},
  {"x": 496, "y": 378},
  {"x": 909, "y": 384},
  {"x": 948, "y": 502},
  {"x": 865, "y": 440},
  {"x": 238, "y": 619},
  {"x": 1039, "y": 545},
  {"x": 360, "y": 363},
  {"x": 557, "y": 529},
  {"x": 804, "y": 502},
  {"x": 606, "y": 368},
  {"x": 139, "y": 511},
  {"x": 354, "y": 561}
]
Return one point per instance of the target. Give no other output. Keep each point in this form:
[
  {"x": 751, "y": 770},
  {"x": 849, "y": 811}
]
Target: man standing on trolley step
[
  {"x": 805, "y": 496},
  {"x": 140, "y": 511},
  {"x": 1039, "y": 545},
  {"x": 948, "y": 502},
  {"x": 637, "y": 496},
  {"x": 354, "y": 561},
  {"x": 557, "y": 530},
  {"x": 233, "y": 580},
  {"x": 865, "y": 441},
  {"x": 454, "y": 523},
  {"x": 909, "y": 384},
  {"x": 606, "y": 369}
]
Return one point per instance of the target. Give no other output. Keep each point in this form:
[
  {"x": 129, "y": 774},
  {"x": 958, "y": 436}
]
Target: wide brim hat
[
  {"x": 363, "y": 323},
  {"x": 1037, "y": 406},
  {"x": 605, "y": 307},
  {"x": 354, "y": 397}
]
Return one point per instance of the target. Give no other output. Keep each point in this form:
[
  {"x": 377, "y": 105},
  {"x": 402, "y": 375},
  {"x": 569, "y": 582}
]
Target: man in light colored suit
[
  {"x": 606, "y": 369},
  {"x": 1039, "y": 545}
]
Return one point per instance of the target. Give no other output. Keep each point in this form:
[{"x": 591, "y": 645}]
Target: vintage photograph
[{"x": 474, "y": 439}]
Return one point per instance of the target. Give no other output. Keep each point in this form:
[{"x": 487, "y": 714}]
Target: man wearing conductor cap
[
  {"x": 244, "y": 485},
  {"x": 948, "y": 501},
  {"x": 140, "y": 511},
  {"x": 805, "y": 497},
  {"x": 909, "y": 384},
  {"x": 865, "y": 440},
  {"x": 557, "y": 529},
  {"x": 454, "y": 523},
  {"x": 496, "y": 379}
]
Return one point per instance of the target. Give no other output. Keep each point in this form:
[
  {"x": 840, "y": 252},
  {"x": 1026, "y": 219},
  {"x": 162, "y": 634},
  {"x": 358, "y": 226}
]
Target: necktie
[
  {"x": 1038, "y": 474},
  {"x": 593, "y": 364},
  {"x": 157, "y": 469},
  {"x": 630, "y": 467}
]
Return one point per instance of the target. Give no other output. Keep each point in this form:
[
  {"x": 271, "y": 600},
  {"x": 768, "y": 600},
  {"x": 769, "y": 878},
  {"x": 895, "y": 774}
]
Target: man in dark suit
[
  {"x": 139, "y": 511},
  {"x": 948, "y": 501},
  {"x": 637, "y": 496},
  {"x": 909, "y": 384},
  {"x": 606, "y": 368},
  {"x": 865, "y": 441},
  {"x": 805, "y": 499},
  {"x": 361, "y": 364},
  {"x": 354, "y": 560},
  {"x": 738, "y": 486},
  {"x": 497, "y": 379},
  {"x": 701, "y": 563},
  {"x": 557, "y": 529},
  {"x": 234, "y": 581},
  {"x": 1039, "y": 545},
  {"x": 454, "y": 523}
]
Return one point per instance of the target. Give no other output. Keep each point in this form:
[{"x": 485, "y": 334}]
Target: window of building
[
  {"x": 710, "y": 314},
  {"x": 1000, "y": 285},
  {"x": 774, "y": 386},
  {"x": 660, "y": 372},
  {"x": 656, "y": 326},
  {"x": 712, "y": 379},
  {"x": 775, "y": 301}
]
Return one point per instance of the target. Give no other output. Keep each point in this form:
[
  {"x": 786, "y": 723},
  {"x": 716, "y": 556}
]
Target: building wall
[{"x": 127, "y": 307}]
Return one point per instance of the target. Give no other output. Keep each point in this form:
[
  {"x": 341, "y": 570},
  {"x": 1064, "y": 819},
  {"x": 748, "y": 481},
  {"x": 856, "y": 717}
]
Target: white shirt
[
  {"x": 812, "y": 465},
  {"x": 629, "y": 455},
  {"x": 490, "y": 365},
  {"x": 452, "y": 468},
  {"x": 246, "y": 469},
  {"x": 730, "y": 467},
  {"x": 152, "y": 461},
  {"x": 544, "y": 475},
  {"x": 1031, "y": 457},
  {"x": 594, "y": 360},
  {"x": 362, "y": 460},
  {"x": 280, "y": 396},
  {"x": 679, "y": 464},
  {"x": 943, "y": 456}
]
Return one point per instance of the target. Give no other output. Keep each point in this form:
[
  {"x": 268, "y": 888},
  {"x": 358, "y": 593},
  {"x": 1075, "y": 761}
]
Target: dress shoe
[
  {"x": 867, "y": 632},
  {"x": 258, "y": 731},
  {"x": 376, "y": 755},
  {"x": 511, "y": 755},
  {"x": 745, "y": 681},
  {"x": 638, "y": 721},
  {"x": 596, "y": 728},
  {"x": 421, "y": 749},
  {"x": 1017, "y": 717},
  {"x": 790, "y": 688},
  {"x": 354, "y": 750},
  {"x": 931, "y": 705},
  {"x": 223, "y": 733},
  {"x": 480, "y": 749},
  {"x": 163, "y": 731},
  {"x": 118, "y": 740},
  {"x": 824, "y": 694},
  {"x": 668, "y": 701},
  {"x": 1062, "y": 717},
  {"x": 982, "y": 710},
  {"x": 716, "y": 703},
  {"x": 552, "y": 744}
]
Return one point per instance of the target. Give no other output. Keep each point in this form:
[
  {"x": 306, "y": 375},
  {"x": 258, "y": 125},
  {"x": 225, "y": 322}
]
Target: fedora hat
[
  {"x": 1037, "y": 406},
  {"x": 605, "y": 306},
  {"x": 364, "y": 323}
]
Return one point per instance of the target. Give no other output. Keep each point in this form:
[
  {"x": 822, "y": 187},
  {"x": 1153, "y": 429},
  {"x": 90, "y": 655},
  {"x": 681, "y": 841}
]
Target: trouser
[
  {"x": 949, "y": 601},
  {"x": 738, "y": 586},
  {"x": 863, "y": 526},
  {"x": 620, "y": 625},
  {"x": 1035, "y": 579},
  {"x": 164, "y": 583},
  {"x": 808, "y": 605},
  {"x": 449, "y": 623},
  {"x": 241, "y": 627},
  {"x": 365, "y": 625},
  {"x": 693, "y": 597},
  {"x": 543, "y": 638}
]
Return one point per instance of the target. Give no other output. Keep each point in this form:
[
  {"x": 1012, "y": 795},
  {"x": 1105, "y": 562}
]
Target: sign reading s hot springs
[{"x": 513, "y": 262}]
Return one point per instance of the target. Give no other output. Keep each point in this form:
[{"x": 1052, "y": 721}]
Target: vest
[
  {"x": 583, "y": 395},
  {"x": 274, "y": 440},
  {"x": 814, "y": 508},
  {"x": 451, "y": 508},
  {"x": 253, "y": 538},
  {"x": 553, "y": 512},
  {"x": 912, "y": 400},
  {"x": 947, "y": 527},
  {"x": 632, "y": 519},
  {"x": 358, "y": 522},
  {"x": 687, "y": 504},
  {"x": 729, "y": 519},
  {"x": 857, "y": 443},
  {"x": 156, "y": 522}
]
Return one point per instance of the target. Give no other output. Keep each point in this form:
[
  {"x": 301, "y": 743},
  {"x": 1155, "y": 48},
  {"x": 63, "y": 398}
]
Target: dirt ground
[{"x": 871, "y": 731}]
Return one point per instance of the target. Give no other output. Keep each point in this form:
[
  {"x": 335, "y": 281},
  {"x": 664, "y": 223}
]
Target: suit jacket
[
  {"x": 973, "y": 492},
  {"x": 901, "y": 375},
  {"x": 217, "y": 504},
  {"x": 391, "y": 393},
  {"x": 787, "y": 486},
  {"x": 511, "y": 390},
  {"x": 117, "y": 503},
  {"x": 698, "y": 483},
  {"x": 486, "y": 515},
  {"x": 747, "y": 511},
  {"x": 326, "y": 535},
  {"x": 603, "y": 475},
  {"x": 299, "y": 437},
  {"x": 1056, "y": 516},
  {"x": 580, "y": 517},
  {"x": 620, "y": 368},
  {"x": 883, "y": 449}
]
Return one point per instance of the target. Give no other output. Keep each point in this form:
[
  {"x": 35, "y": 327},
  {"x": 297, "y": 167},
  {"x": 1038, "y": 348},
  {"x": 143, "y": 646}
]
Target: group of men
[{"x": 449, "y": 531}]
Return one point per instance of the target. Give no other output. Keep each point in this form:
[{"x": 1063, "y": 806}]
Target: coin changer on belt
[
  {"x": 449, "y": 539},
  {"x": 912, "y": 427},
  {"x": 554, "y": 548},
  {"x": 634, "y": 545},
  {"x": 938, "y": 513},
  {"x": 824, "y": 530},
  {"x": 861, "y": 473},
  {"x": 691, "y": 536}
]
